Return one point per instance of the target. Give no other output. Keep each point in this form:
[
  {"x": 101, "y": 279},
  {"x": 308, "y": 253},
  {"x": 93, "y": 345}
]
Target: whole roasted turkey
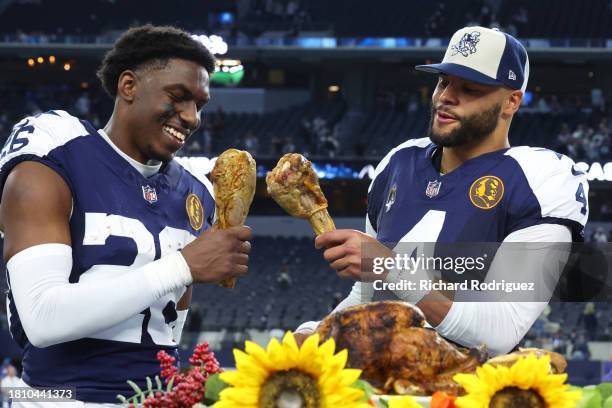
[{"x": 397, "y": 354}]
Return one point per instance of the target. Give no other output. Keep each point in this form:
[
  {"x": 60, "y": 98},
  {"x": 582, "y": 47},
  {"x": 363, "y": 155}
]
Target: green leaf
[
  {"x": 591, "y": 398},
  {"x": 121, "y": 398},
  {"x": 170, "y": 384},
  {"x": 149, "y": 387},
  {"x": 384, "y": 402},
  {"x": 160, "y": 386},
  {"x": 605, "y": 389},
  {"x": 608, "y": 403},
  {"x": 135, "y": 387},
  {"x": 367, "y": 389},
  {"x": 214, "y": 386}
]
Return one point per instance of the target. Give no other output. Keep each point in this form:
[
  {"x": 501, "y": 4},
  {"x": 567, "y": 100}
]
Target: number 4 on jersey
[{"x": 581, "y": 198}]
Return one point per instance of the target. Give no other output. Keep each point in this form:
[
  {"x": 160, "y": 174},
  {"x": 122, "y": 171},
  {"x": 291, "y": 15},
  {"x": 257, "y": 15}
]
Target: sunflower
[
  {"x": 403, "y": 402},
  {"x": 286, "y": 375},
  {"x": 527, "y": 383}
]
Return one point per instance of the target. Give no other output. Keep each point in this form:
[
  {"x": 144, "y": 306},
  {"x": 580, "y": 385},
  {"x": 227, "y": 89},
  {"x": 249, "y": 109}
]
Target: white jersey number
[{"x": 152, "y": 325}]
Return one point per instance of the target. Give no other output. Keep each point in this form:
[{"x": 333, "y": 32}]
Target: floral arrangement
[
  {"x": 315, "y": 376},
  {"x": 181, "y": 390}
]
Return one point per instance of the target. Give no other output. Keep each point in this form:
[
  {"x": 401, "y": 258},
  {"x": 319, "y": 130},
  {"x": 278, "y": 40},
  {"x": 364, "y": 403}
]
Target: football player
[
  {"x": 105, "y": 232},
  {"x": 464, "y": 183}
]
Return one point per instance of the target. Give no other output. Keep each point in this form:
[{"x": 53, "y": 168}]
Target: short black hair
[{"x": 148, "y": 44}]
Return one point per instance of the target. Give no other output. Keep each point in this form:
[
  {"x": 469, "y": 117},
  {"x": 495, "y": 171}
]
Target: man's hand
[
  {"x": 351, "y": 253},
  {"x": 219, "y": 254}
]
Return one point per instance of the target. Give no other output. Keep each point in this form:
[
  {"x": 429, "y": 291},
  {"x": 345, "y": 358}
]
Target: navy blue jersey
[
  {"x": 120, "y": 221},
  {"x": 483, "y": 200}
]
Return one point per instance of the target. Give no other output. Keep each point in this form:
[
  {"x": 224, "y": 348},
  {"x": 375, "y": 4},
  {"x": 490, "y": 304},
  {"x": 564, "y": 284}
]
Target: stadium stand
[
  {"x": 542, "y": 19},
  {"x": 581, "y": 133}
]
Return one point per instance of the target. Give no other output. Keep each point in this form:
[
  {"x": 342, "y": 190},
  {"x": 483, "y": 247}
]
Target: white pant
[{"x": 71, "y": 404}]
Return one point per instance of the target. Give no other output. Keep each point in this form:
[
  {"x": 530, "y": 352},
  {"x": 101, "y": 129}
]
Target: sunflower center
[
  {"x": 290, "y": 389},
  {"x": 512, "y": 397}
]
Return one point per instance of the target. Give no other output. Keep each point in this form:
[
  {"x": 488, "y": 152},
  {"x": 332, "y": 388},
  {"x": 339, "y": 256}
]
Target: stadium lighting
[
  {"x": 52, "y": 59},
  {"x": 31, "y": 62},
  {"x": 67, "y": 66},
  {"x": 40, "y": 60},
  {"x": 228, "y": 72},
  {"x": 214, "y": 43},
  {"x": 333, "y": 88}
]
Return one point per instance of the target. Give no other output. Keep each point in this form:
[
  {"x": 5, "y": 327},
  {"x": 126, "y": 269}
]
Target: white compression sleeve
[
  {"x": 46, "y": 301},
  {"x": 501, "y": 325},
  {"x": 177, "y": 329}
]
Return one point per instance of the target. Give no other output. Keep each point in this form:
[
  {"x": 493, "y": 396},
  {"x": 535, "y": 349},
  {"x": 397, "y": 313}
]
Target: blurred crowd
[
  {"x": 583, "y": 128},
  {"x": 584, "y": 142},
  {"x": 570, "y": 340}
]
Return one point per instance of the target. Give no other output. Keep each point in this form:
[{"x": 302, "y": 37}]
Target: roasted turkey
[
  {"x": 558, "y": 364},
  {"x": 397, "y": 354},
  {"x": 233, "y": 176},
  {"x": 294, "y": 185}
]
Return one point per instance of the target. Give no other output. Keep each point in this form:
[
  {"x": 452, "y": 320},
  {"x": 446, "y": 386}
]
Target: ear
[
  {"x": 126, "y": 86},
  {"x": 513, "y": 103}
]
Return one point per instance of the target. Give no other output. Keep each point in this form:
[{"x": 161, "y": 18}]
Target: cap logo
[
  {"x": 512, "y": 75},
  {"x": 466, "y": 45}
]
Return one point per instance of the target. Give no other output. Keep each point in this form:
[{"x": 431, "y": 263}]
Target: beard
[{"x": 471, "y": 128}]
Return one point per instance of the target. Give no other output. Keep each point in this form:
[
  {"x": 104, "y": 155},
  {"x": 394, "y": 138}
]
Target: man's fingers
[
  {"x": 241, "y": 269},
  {"x": 340, "y": 264},
  {"x": 333, "y": 238},
  {"x": 245, "y": 247},
  {"x": 334, "y": 253},
  {"x": 241, "y": 259},
  {"x": 243, "y": 233},
  {"x": 346, "y": 273}
]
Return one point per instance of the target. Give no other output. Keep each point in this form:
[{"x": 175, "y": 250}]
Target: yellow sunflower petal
[
  {"x": 472, "y": 401},
  {"x": 225, "y": 404},
  {"x": 340, "y": 397},
  {"x": 243, "y": 395},
  {"x": 258, "y": 353},
  {"x": 290, "y": 342},
  {"x": 310, "y": 360},
  {"x": 249, "y": 366},
  {"x": 328, "y": 348},
  {"x": 256, "y": 365},
  {"x": 349, "y": 376},
  {"x": 403, "y": 402},
  {"x": 529, "y": 372},
  {"x": 470, "y": 382}
]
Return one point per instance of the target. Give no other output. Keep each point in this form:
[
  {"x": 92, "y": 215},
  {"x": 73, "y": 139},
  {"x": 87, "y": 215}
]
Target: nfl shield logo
[
  {"x": 149, "y": 194},
  {"x": 433, "y": 188}
]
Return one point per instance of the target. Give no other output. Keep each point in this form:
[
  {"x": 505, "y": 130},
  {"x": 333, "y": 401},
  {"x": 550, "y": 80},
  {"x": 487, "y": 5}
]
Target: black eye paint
[{"x": 169, "y": 112}]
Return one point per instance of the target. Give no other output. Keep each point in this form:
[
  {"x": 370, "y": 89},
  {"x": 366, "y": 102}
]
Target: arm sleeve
[
  {"x": 502, "y": 325},
  {"x": 46, "y": 301}
]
